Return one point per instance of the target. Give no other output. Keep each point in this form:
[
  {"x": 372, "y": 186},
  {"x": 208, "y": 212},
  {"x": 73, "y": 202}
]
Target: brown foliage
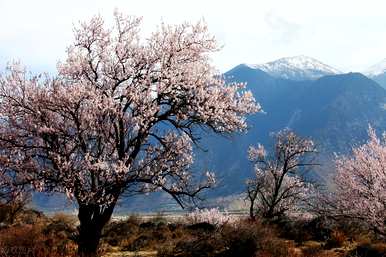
[
  {"x": 35, "y": 235},
  {"x": 369, "y": 250},
  {"x": 30, "y": 241},
  {"x": 247, "y": 239},
  {"x": 10, "y": 211},
  {"x": 337, "y": 239}
]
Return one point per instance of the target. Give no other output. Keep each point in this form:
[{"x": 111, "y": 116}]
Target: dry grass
[
  {"x": 132, "y": 254},
  {"x": 35, "y": 235},
  {"x": 30, "y": 241}
]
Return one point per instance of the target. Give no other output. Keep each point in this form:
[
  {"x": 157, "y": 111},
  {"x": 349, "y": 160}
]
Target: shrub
[
  {"x": 200, "y": 247},
  {"x": 318, "y": 229},
  {"x": 368, "y": 250},
  {"x": 244, "y": 238},
  {"x": 255, "y": 239},
  {"x": 336, "y": 239},
  {"x": 202, "y": 227},
  {"x": 30, "y": 216},
  {"x": 121, "y": 233},
  {"x": 29, "y": 241},
  {"x": 61, "y": 225},
  {"x": 10, "y": 212},
  {"x": 141, "y": 242},
  {"x": 275, "y": 247},
  {"x": 12, "y": 207},
  {"x": 4, "y": 213},
  {"x": 353, "y": 228},
  {"x": 243, "y": 242},
  {"x": 312, "y": 249}
]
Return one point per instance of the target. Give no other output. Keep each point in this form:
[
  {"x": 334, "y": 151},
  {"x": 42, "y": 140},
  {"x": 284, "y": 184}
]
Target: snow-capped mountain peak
[
  {"x": 296, "y": 68},
  {"x": 376, "y": 69}
]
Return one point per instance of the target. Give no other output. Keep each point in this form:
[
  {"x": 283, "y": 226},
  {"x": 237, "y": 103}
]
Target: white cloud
[
  {"x": 286, "y": 32},
  {"x": 350, "y": 35}
]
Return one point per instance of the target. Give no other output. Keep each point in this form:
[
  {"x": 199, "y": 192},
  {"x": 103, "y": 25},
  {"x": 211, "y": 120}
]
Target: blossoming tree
[
  {"x": 361, "y": 183},
  {"x": 279, "y": 185},
  {"x": 120, "y": 117}
]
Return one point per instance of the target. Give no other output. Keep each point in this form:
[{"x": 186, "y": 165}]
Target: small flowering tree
[
  {"x": 361, "y": 183},
  {"x": 120, "y": 117},
  {"x": 212, "y": 216},
  {"x": 279, "y": 186}
]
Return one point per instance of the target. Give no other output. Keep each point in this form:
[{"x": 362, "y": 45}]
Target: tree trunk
[
  {"x": 252, "y": 210},
  {"x": 92, "y": 219},
  {"x": 269, "y": 214},
  {"x": 90, "y": 233}
]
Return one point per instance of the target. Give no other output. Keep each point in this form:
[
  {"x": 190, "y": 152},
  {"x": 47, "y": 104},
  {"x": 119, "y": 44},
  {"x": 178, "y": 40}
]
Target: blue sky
[{"x": 349, "y": 35}]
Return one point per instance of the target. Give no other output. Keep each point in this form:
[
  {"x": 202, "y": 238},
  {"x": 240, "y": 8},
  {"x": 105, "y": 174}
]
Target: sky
[{"x": 349, "y": 35}]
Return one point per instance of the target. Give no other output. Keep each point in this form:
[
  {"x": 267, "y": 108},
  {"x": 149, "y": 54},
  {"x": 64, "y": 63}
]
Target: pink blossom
[
  {"x": 361, "y": 183},
  {"x": 212, "y": 216},
  {"x": 121, "y": 115}
]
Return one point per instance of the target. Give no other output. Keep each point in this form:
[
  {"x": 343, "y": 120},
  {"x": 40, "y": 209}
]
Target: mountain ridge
[{"x": 299, "y": 67}]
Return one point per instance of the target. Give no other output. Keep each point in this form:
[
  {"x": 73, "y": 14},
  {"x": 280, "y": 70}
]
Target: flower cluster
[{"x": 212, "y": 216}]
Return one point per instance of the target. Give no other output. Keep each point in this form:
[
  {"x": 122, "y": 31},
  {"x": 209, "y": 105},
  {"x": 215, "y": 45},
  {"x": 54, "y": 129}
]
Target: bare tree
[{"x": 279, "y": 184}]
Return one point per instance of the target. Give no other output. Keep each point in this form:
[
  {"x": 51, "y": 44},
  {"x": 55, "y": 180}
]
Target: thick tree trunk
[
  {"x": 89, "y": 237},
  {"x": 92, "y": 219},
  {"x": 269, "y": 215}
]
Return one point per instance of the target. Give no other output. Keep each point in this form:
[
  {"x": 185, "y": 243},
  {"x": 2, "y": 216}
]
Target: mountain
[
  {"x": 377, "y": 72},
  {"x": 334, "y": 110},
  {"x": 296, "y": 68},
  {"x": 314, "y": 106}
]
